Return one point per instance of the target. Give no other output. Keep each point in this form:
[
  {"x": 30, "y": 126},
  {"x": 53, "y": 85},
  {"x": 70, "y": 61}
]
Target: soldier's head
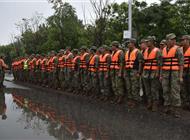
[
  {"x": 170, "y": 39},
  {"x": 83, "y": 49},
  {"x": 93, "y": 49},
  {"x": 115, "y": 45},
  {"x": 131, "y": 43},
  {"x": 143, "y": 44},
  {"x": 151, "y": 41},
  {"x": 75, "y": 52},
  {"x": 103, "y": 49},
  {"x": 68, "y": 49},
  {"x": 162, "y": 44},
  {"x": 185, "y": 40},
  {"x": 61, "y": 52},
  {"x": 53, "y": 53}
]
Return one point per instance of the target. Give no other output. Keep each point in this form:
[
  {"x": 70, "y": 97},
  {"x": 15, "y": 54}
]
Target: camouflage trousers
[
  {"x": 44, "y": 77},
  {"x": 117, "y": 83},
  {"x": 132, "y": 84},
  {"x": 152, "y": 87},
  {"x": 171, "y": 88},
  {"x": 61, "y": 78},
  {"x": 68, "y": 78},
  {"x": 75, "y": 84},
  {"x": 83, "y": 79},
  {"x": 93, "y": 83},
  {"x": 26, "y": 75},
  {"x": 185, "y": 89},
  {"x": 105, "y": 84}
]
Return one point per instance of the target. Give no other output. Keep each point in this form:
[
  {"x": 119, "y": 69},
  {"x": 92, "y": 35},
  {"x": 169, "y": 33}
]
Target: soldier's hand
[
  {"x": 160, "y": 78},
  {"x": 181, "y": 80},
  {"x": 106, "y": 76},
  {"x": 119, "y": 75}
]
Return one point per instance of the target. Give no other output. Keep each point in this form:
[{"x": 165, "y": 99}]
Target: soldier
[
  {"x": 172, "y": 75},
  {"x": 68, "y": 69},
  {"x": 3, "y": 66},
  {"x": 93, "y": 87},
  {"x": 84, "y": 59},
  {"x": 38, "y": 70},
  {"x": 132, "y": 72},
  {"x": 163, "y": 44},
  {"x": 48, "y": 70},
  {"x": 116, "y": 71},
  {"x": 75, "y": 72},
  {"x": 151, "y": 73},
  {"x": 104, "y": 73},
  {"x": 26, "y": 72},
  {"x": 43, "y": 70},
  {"x": 32, "y": 66},
  {"x": 143, "y": 47},
  {"x": 53, "y": 70},
  {"x": 61, "y": 66},
  {"x": 185, "y": 92}
]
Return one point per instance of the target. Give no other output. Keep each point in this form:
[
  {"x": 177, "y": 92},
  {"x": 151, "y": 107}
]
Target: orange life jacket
[
  {"x": 91, "y": 66},
  {"x": 33, "y": 63},
  {"x": 74, "y": 62},
  {"x": 38, "y": 63},
  {"x": 68, "y": 63},
  {"x": 48, "y": 65},
  {"x": 170, "y": 62},
  {"x": 52, "y": 63},
  {"x": 151, "y": 62},
  {"x": 115, "y": 60},
  {"x": 103, "y": 66},
  {"x": 43, "y": 65},
  {"x": 187, "y": 59},
  {"x": 83, "y": 64},
  {"x": 130, "y": 59},
  {"x": 61, "y": 63}
]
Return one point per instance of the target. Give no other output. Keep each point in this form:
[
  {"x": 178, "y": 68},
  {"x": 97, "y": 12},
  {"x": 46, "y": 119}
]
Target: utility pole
[
  {"x": 128, "y": 33},
  {"x": 130, "y": 17}
]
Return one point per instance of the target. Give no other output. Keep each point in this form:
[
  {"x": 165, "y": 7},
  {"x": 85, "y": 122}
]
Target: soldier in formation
[{"x": 113, "y": 74}]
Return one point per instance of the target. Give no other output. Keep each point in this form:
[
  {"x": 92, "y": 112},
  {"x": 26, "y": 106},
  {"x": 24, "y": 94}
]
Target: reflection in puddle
[{"x": 33, "y": 114}]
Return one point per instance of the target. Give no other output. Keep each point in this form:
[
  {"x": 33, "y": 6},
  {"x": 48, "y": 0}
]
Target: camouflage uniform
[
  {"x": 93, "y": 85},
  {"x": 172, "y": 70},
  {"x": 132, "y": 79},
  {"x": 75, "y": 84},
  {"x": 104, "y": 76},
  {"x": 68, "y": 72},
  {"x": 116, "y": 74},
  {"x": 152, "y": 83},
  {"x": 83, "y": 71}
]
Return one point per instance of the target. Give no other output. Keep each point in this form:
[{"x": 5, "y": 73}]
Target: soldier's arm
[
  {"x": 180, "y": 57},
  {"x": 87, "y": 59},
  {"x": 121, "y": 62},
  {"x": 108, "y": 60},
  {"x": 140, "y": 60},
  {"x": 160, "y": 61},
  {"x": 78, "y": 65},
  {"x": 96, "y": 62}
]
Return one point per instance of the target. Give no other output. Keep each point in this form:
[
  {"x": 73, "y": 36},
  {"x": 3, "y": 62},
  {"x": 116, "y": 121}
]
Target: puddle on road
[{"x": 27, "y": 114}]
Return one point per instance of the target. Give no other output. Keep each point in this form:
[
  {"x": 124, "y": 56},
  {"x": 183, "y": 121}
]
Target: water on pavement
[{"x": 34, "y": 114}]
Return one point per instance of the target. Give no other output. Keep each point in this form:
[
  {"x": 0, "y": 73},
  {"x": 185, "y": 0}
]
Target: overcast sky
[{"x": 12, "y": 11}]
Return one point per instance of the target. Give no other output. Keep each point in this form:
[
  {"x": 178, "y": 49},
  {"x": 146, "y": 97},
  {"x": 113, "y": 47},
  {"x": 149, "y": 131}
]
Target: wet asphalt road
[{"x": 35, "y": 113}]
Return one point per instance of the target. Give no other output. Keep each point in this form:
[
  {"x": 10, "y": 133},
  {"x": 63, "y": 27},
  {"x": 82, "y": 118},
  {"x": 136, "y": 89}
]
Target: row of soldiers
[{"x": 110, "y": 74}]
